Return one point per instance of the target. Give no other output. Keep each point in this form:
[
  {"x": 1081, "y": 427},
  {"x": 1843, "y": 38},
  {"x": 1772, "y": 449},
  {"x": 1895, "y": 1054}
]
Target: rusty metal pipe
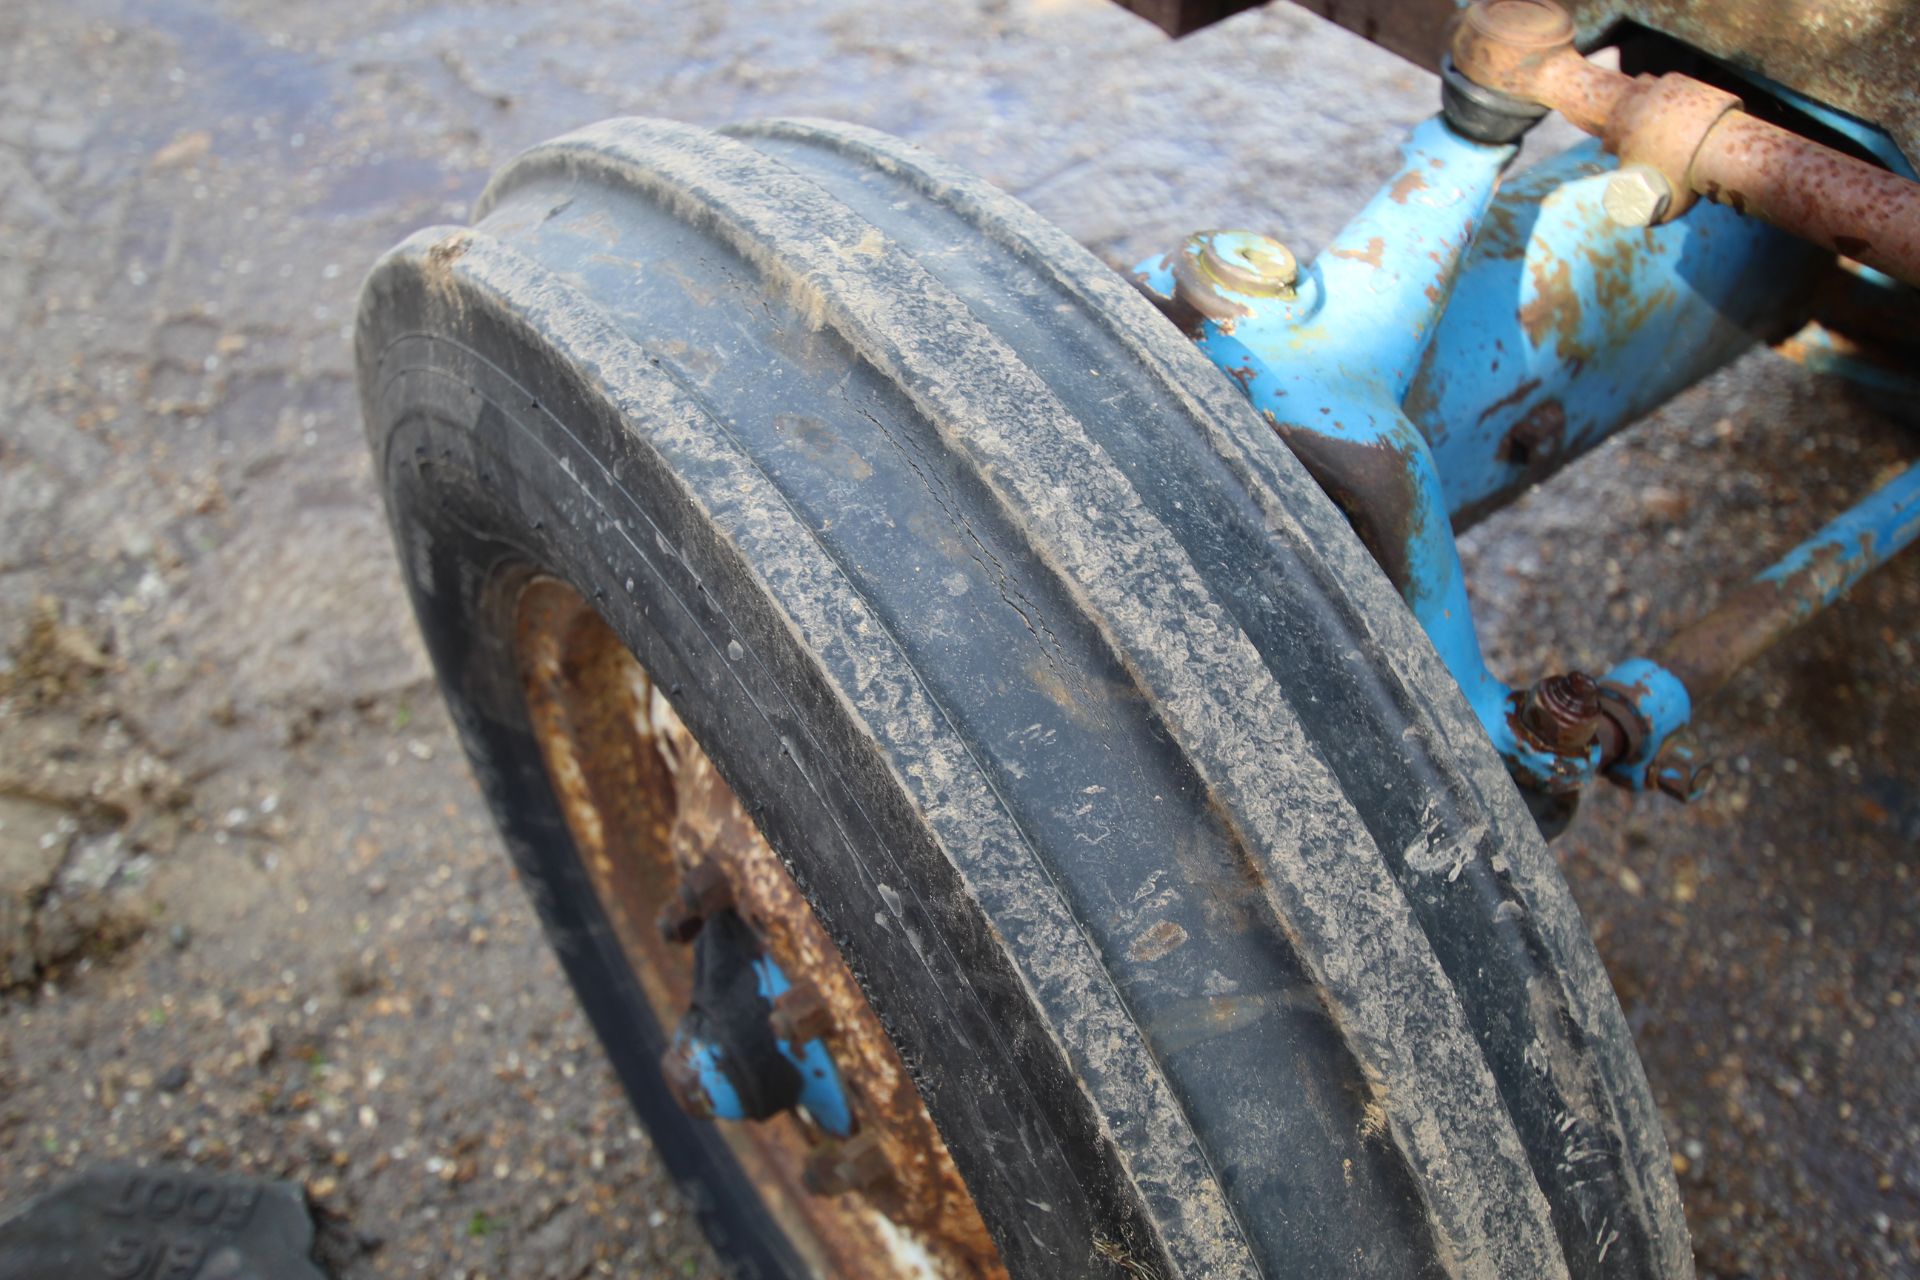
[
  {"x": 1815, "y": 192},
  {"x": 1711, "y": 651},
  {"x": 1696, "y": 137}
]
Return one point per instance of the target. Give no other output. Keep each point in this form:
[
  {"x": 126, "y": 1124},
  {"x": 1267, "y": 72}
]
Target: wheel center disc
[{"x": 771, "y": 1021}]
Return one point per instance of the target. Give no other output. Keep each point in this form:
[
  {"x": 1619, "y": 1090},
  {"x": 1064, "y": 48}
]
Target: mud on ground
[{"x": 251, "y": 914}]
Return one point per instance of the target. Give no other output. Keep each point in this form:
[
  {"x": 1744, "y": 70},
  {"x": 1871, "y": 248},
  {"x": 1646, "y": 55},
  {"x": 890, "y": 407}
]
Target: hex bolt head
[
  {"x": 1637, "y": 195},
  {"x": 1680, "y": 770},
  {"x": 1563, "y": 712},
  {"x": 836, "y": 1168},
  {"x": 800, "y": 1014},
  {"x": 821, "y": 1172},
  {"x": 863, "y": 1161}
]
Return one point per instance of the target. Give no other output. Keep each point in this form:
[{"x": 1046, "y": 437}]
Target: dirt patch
[{"x": 82, "y": 806}]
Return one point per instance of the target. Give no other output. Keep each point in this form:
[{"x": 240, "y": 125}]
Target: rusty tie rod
[{"x": 1679, "y": 139}]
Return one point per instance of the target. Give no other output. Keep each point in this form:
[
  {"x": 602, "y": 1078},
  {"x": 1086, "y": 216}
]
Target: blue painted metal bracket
[
  {"x": 1852, "y": 545},
  {"x": 1664, "y": 707},
  {"x": 1562, "y": 327},
  {"x": 1451, "y": 347},
  {"x": 820, "y": 1091},
  {"x": 1329, "y": 364}
]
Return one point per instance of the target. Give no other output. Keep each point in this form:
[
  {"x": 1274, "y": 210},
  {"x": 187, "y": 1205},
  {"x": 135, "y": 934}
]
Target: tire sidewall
[{"x": 499, "y": 462}]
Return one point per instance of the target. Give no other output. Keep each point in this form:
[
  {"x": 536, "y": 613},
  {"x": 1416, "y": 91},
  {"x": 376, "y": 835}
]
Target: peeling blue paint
[{"x": 1456, "y": 342}]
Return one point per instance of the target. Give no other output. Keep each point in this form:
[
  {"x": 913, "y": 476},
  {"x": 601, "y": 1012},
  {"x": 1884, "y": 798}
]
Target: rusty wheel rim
[{"x": 646, "y": 808}]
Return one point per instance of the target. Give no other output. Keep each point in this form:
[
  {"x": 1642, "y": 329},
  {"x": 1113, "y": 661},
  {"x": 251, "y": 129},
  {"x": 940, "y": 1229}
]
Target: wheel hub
[
  {"x": 773, "y": 1039},
  {"x": 733, "y": 1056}
]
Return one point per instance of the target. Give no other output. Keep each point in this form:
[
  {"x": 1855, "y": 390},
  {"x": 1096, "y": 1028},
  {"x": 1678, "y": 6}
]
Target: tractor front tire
[{"x": 1199, "y": 913}]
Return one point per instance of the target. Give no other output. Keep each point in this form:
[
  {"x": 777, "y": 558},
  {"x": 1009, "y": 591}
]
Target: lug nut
[
  {"x": 679, "y": 921},
  {"x": 1637, "y": 195},
  {"x": 858, "y": 1164},
  {"x": 706, "y": 886},
  {"x": 821, "y": 1173},
  {"x": 703, "y": 890},
  {"x": 800, "y": 1015},
  {"x": 1681, "y": 770},
  {"x": 1562, "y": 712}
]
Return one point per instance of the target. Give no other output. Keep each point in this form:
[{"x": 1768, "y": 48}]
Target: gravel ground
[{"x": 251, "y": 914}]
